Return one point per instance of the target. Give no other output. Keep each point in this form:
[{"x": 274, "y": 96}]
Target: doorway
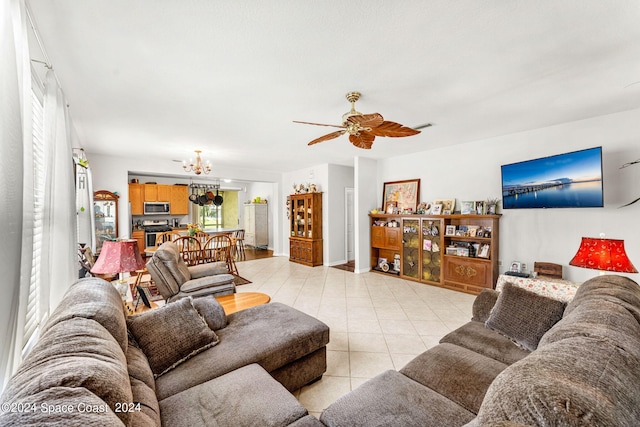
[{"x": 350, "y": 241}]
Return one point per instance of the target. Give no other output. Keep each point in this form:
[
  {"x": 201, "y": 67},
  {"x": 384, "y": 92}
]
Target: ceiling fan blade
[
  {"x": 327, "y": 137},
  {"x": 319, "y": 124},
  {"x": 426, "y": 125},
  {"x": 393, "y": 129},
  {"x": 367, "y": 120},
  {"x": 362, "y": 140}
]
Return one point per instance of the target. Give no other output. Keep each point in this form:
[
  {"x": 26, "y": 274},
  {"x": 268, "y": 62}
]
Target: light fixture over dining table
[{"x": 197, "y": 167}]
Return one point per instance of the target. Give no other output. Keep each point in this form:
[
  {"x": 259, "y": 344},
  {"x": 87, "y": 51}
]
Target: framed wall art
[{"x": 404, "y": 193}]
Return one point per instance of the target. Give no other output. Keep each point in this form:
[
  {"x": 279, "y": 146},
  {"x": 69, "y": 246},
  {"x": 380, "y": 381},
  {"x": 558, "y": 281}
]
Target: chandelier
[{"x": 197, "y": 167}]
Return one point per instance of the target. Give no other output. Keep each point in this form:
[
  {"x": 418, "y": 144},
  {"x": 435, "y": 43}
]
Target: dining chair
[
  {"x": 220, "y": 248},
  {"x": 190, "y": 248}
]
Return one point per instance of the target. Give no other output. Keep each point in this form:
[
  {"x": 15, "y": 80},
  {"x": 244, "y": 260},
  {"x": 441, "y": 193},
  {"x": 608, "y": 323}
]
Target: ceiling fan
[{"x": 363, "y": 128}]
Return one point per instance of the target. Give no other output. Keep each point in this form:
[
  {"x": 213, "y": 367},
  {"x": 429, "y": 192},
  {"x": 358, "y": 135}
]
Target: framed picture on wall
[{"x": 404, "y": 193}]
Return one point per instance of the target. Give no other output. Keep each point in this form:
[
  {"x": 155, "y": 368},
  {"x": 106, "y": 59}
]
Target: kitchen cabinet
[
  {"x": 157, "y": 192},
  {"x": 138, "y": 236},
  {"x": 179, "y": 199},
  {"x": 136, "y": 197}
]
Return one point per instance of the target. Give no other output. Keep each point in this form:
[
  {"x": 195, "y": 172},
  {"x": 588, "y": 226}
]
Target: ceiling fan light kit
[{"x": 363, "y": 128}]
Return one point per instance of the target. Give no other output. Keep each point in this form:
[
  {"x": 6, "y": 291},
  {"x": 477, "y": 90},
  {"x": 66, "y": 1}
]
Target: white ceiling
[{"x": 229, "y": 76}]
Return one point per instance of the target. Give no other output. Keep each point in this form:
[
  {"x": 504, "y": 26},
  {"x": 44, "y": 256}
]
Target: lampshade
[
  {"x": 120, "y": 256},
  {"x": 603, "y": 254}
]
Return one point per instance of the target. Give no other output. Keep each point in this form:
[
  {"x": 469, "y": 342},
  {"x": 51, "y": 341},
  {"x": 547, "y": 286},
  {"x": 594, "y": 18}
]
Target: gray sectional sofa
[
  {"x": 185, "y": 364},
  {"x": 523, "y": 360}
]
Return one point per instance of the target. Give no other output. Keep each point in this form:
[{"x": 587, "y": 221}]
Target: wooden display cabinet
[
  {"x": 386, "y": 242},
  {"x": 475, "y": 266},
  {"x": 305, "y": 229},
  {"x": 463, "y": 260}
]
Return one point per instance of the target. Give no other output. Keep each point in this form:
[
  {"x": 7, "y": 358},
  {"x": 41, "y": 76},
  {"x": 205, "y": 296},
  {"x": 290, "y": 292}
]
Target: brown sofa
[
  {"x": 524, "y": 360},
  {"x": 183, "y": 364}
]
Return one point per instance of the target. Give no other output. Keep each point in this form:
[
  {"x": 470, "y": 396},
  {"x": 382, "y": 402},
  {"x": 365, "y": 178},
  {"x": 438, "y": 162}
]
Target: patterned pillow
[
  {"x": 171, "y": 334},
  {"x": 524, "y": 316}
]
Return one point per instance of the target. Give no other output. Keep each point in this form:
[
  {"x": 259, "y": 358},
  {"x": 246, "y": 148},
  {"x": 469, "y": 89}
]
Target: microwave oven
[{"x": 156, "y": 208}]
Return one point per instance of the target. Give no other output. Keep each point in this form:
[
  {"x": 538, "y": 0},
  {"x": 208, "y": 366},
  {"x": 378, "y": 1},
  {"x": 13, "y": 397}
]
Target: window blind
[{"x": 33, "y": 315}]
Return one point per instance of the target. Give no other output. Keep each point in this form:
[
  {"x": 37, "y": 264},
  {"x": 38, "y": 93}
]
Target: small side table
[{"x": 241, "y": 301}]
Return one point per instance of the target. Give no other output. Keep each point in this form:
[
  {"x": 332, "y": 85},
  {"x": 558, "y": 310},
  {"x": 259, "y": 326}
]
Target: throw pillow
[
  {"x": 171, "y": 334},
  {"x": 212, "y": 312},
  {"x": 524, "y": 316}
]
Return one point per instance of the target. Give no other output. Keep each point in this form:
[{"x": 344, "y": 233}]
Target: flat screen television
[{"x": 569, "y": 180}]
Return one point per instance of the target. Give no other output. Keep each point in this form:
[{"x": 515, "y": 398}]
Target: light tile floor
[{"x": 377, "y": 322}]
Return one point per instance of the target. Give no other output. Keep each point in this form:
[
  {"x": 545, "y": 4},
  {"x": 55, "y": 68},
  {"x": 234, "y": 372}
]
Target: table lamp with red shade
[
  {"x": 119, "y": 256},
  {"x": 604, "y": 255}
]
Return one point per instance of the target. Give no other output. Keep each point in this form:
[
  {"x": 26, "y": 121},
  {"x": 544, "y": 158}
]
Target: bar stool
[{"x": 238, "y": 238}]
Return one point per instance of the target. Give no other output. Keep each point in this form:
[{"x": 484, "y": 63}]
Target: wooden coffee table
[{"x": 241, "y": 301}]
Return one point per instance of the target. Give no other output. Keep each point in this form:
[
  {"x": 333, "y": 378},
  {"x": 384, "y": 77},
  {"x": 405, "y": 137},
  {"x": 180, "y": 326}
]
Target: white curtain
[
  {"x": 60, "y": 222},
  {"x": 15, "y": 157}
]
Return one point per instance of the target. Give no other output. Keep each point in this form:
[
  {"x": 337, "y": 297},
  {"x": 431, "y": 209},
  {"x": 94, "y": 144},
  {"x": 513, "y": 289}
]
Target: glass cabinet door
[
  {"x": 105, "y": 210},
  {"x": 411, "y": 248}
]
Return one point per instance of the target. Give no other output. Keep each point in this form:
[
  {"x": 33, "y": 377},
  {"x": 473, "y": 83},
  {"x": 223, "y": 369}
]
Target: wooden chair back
[
  {"x": 220, "y": 248},
  {"x": 190, "y": 249}
]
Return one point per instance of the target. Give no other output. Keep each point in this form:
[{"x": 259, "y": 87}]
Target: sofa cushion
[
  {"x": 75, "y": 353},
  {"x": 212, "y": 312},
  {"x": 483, "y": 304},
  {"x": 392, "y": 399},
  {"x": 617, "y": 289},
  {"x": 208, "y": 269},
  {"x": 171, "y": 334},
  {"x": 579, "y": 381},
  {"x": 146, "y": 409},
  {"x": 246, "y": 396},
  {"x": 524, "y": 316},
  {"x": 457, "y": 373},
  {"x": 250, "y": 337},
  {"x": 476, "y": 337},
  {"x": 93, "y": 298},
  {"x": 195, "y": 285}
]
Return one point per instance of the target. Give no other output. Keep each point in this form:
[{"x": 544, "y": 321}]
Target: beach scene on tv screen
[{"x": 562, "y": 181}]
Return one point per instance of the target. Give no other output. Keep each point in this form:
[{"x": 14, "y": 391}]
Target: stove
[
  {"x": 152, "y": 227},
  {"x": 156, "y": 225}
]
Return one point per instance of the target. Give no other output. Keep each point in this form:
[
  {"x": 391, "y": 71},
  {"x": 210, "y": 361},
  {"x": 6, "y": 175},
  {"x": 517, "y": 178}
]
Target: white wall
[
  {"x": 367, "y": 189},
  {"x": 340, "y": 177},
  {"x": 472, "y": 172}
]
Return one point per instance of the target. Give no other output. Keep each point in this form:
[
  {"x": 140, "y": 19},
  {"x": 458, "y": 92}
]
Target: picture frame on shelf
[
  {"x": 448, "y": 205},
  {"x": 516, "y": 267},
  {"x": 467, "y": 207},
  {"x": 485, "y": 251},
  {"x": 390, "y": 207},
  {"x": 451, "y": 250},
  {"x": 404, "y": 193},
  {"x": 450, "y": 230},
  {"x": 436, "y": 209},
  {"x": 462, "y": 251},
  {"x": 481, "y": 208}
]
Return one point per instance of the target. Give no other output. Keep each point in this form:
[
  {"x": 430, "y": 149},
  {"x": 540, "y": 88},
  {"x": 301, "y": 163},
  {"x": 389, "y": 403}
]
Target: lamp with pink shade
[{"x": 119, "y": 256}]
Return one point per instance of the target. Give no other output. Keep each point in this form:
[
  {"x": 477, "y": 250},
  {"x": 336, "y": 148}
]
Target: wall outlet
[
  {"x": 499, "y": 263},
  {"x": 523, "y": 267}
]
